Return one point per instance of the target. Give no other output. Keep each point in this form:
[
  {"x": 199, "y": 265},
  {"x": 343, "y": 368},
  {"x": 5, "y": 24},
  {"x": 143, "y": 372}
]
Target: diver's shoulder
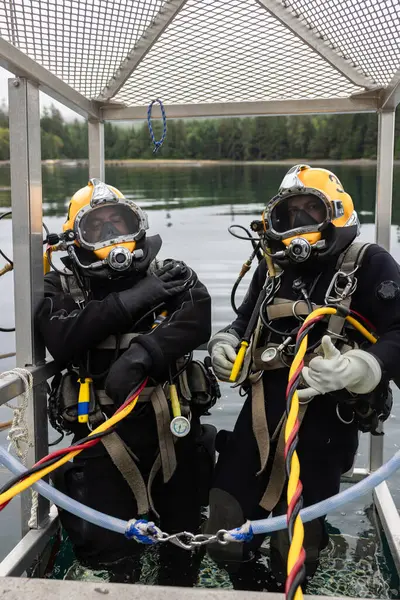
[
  {"x": 375, "y": 250},
  {"x": 377, "y": 258}
]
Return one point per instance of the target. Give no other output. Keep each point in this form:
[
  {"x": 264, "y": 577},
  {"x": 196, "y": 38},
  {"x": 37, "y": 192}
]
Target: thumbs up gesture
[{"x": 357, "y": 371}]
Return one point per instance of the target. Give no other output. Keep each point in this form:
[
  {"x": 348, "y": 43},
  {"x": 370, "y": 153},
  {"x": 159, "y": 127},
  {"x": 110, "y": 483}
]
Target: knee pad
[
  {"x": 91, "y": 543},
  {"x": 206, "y": 462},
  {"x": 225, "y": 513},
  {"x": 222, "y": 439}
]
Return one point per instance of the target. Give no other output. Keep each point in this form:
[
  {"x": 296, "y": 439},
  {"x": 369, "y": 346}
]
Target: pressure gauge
[{"x": 180, "y": 426}]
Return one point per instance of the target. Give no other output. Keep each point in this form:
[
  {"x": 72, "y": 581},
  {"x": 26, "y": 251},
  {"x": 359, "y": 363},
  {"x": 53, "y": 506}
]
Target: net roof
[{"x": 209, "y": 51}]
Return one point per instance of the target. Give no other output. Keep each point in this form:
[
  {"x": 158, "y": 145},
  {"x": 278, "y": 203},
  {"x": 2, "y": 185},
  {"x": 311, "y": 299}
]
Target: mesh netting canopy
[{"x": 188, "y": 52}]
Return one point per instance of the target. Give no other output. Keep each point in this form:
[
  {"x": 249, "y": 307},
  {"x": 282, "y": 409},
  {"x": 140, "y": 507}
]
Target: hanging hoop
[{"x": 157, "y": 143}]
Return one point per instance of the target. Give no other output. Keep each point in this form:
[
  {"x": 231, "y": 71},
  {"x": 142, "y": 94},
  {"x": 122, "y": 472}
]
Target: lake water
[{"x": 192, "y": 207}]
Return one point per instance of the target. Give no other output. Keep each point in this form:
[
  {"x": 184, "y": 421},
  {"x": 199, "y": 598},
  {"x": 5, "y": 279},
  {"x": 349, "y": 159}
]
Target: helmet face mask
[
  {"x": 294, "y": 214},
  {"x": 109, "y": 224},
  {"x": 105, "y": 223},
  {"x": 309, "y": 201}
]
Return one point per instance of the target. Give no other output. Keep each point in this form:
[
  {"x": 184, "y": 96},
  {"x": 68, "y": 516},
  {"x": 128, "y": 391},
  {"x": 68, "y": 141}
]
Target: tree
[{"x": 4, "y": 143}]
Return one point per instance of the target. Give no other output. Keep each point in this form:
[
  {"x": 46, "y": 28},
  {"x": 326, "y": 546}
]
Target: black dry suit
[
  {"x": 243, "y": 486},
  {"x": 91, "y": 339}
]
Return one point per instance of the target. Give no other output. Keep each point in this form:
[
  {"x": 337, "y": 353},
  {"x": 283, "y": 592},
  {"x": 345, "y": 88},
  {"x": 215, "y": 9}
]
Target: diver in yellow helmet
[
  {"x": 106, "y": 233},
  {"x": 311, "y": 217},
  {"x": 116, "y": 315},
  {"x": 309, "y": 229}
]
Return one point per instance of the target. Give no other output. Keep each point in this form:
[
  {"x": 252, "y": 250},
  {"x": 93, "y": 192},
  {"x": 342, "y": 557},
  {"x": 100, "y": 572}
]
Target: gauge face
[
  {"x": 268, "y": 354},
  {"x": 180, "y": 426}
]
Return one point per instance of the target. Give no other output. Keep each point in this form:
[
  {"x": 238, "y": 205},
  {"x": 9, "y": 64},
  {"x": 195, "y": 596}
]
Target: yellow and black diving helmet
[
  {"x": 106, "y": 233},
  {"x": 311, "y": 216}
]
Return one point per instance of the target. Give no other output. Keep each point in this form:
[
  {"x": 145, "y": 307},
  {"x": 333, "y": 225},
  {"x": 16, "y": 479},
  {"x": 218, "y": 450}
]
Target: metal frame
[
  {"x": 26, "y": 197},
  {"x": 383, "y": 212},
  {"x": 280, "y": 12},
  {"x": 96, "y": 149},
  {"x": 390, "y": 96},
  {"x": 36, "y": 589},
  {"x": 356, "y": 103},
  {"x": 27, "y": 207},
  {"x": 390, "y": 520},
  {"x": 20, "y": 64},
  {"x": 23, "y": 555},
  {"x": 12, "y": 386},
  {"x": 167, "y": 13}
]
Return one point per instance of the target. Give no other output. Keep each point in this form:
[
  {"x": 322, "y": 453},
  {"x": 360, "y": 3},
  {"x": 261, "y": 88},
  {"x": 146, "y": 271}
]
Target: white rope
[{"x": 19, "y": 436}]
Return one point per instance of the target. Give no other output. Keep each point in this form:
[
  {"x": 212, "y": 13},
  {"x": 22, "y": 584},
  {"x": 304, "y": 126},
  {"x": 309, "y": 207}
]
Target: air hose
[
  {"x": 295, "y": 517},
  {"x": 123, "y": 412},
  {"x": 296, "y": 556},
  {"x": 261, "y": 526}
]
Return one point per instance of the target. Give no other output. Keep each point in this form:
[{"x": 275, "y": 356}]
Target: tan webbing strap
[
  {"x": 277, "y": 478},
  {"x": 259, "y": 421},
  {"x": 128, "y": 469},
  {"x": 154, "y": 470},
  {"x": 346, "y": 263},
  {"x": 260, "y": 424},
  {"x": 282, "y": 308},
  {"x": 336, "y": 322},
  {"x": 165, "y": 437}
]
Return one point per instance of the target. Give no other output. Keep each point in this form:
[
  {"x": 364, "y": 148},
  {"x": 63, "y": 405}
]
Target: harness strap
[
  {"x": 166, "y": 459},
  {"x": 165, "y": 437},
  {"x": 283, "y": 308},
  {"x": 259, "y": 421},
  {"x": 70, "y": 286},
  {"x": 347, "y": 262},
  {"x": 128, "y": 469},
  {"x": 276, "y": 482}
]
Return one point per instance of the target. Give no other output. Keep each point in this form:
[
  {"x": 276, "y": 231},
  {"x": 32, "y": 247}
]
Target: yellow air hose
[
  {"x": 296, "y": 545},
  {"x": 244, "y": 344},
  {"x": 26, "y": 483}
]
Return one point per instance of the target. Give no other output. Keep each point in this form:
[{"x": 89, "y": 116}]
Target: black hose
[{"x": 255, "y": 242}]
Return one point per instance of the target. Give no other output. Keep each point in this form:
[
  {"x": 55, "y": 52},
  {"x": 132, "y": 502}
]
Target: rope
[
  {"x": 144, "y": 532},
  {"x": 19, "y": 435},
  {"x": 240, "y": 534},
  {"x": 159, "y": 143}
]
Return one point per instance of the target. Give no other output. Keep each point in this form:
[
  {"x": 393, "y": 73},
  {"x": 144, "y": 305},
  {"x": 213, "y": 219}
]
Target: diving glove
[
  {"x": 222, "y": 349},
  {"x": 127, "y": 372},
  {"x": 356, "y": 370},
  {"x": 170, "y": 280}
]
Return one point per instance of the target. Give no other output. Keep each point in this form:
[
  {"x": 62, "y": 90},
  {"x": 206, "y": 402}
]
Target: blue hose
[{"x": 261, "y": 526}]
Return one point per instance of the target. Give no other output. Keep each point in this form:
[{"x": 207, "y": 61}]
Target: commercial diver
[
  {"x": 114, "y": 315},
  {"x": 311, "y": 259}
]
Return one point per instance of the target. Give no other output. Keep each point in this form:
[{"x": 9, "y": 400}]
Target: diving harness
[{"x": 76, "y": 397}]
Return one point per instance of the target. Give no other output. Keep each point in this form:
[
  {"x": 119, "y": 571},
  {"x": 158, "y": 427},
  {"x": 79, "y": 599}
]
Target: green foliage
[{"x": 262, "y": 138}]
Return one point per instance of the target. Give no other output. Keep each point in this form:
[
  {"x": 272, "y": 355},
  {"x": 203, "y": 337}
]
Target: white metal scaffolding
[{"x": 205, "y": 58}]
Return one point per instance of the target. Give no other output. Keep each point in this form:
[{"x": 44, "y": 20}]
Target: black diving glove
[
  {"x": 170, "y": 280},
  {"x": 127, "y": 373}
]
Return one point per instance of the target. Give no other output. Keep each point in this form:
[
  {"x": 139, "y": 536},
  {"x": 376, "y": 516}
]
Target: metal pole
[
  {"x": 383, "y": 212},
  {"x": 26, "y": 197},
  {"x": 96, "y": 149}
]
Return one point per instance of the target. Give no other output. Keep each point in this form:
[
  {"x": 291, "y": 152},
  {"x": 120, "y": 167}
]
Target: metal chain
[
  {"x": 189, "y": 541},
  {"x": 148, "y": 532}
]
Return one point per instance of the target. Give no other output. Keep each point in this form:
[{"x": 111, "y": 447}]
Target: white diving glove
[
  {"x": 356, "y": 370},
  {"x": 222, "y": 349}
]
